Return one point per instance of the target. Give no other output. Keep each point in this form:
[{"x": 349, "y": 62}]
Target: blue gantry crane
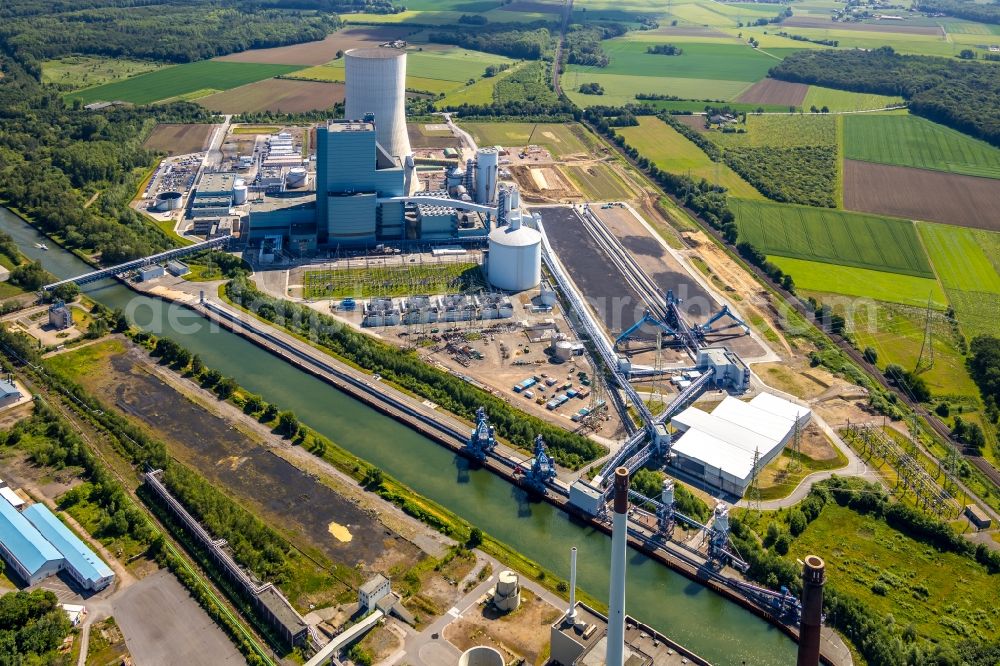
[
  {"x": 701, "y": 330},
  {"x": 543, "y": 468},
  {"x": 647, "y": 318},
  {"x": 482, "y": 441}
]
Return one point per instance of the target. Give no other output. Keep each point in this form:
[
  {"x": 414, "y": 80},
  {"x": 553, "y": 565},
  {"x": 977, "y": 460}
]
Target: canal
[{"x": 720, "y": 631}]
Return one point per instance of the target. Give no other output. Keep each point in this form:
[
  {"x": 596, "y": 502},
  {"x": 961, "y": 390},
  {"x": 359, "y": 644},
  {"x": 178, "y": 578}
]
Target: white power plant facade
[
  {"x": 376, "y": 83},
  {"x": 515, "y": 258}
]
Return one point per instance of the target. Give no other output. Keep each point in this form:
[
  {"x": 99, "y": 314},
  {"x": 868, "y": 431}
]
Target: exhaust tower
[
  {"x": 619, "y": 543},
  {"x": 813, "y": 578}
]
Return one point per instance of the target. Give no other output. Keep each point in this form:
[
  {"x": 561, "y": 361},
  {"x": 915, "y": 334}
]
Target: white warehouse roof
[
  {"x": 713, "y": 452},
  {"x": 780, "y": 407}
]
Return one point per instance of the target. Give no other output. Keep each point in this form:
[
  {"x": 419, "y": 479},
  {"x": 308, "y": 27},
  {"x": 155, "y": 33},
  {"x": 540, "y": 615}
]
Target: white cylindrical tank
[
  {"x": 515, "y": 198},
  {"x": 515, "y": 260},
  {"x": 563, "y": 351},
  {"x": 508, "y": 592},
  {"x": 375, "y": 82},
  {"x": 239, "y": 192},
  {"x": 487, "y": 163},
  {"x": 481, "y": 655},
  {"x": 167, "y": 201},
  {"x": 296, "y": 177}
]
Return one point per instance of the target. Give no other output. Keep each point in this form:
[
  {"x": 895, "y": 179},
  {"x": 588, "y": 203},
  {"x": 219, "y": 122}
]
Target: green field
[
  {"x": 834, "y": 237},
  {"x": 181, "y": 80},
  {"x": 786, "y": 131},
  {"x": 598, "y": 182},
  {"x": 968, "y": 274},
  {"x": 817, "y": 276},
  {"x": 709, "y": 69},
  {"x": 915, "y": 142},
  {"x": 393, "y": 280},
  {"x": 560, "y": 140},
  {"x": 896, "y": 332},
  {"x": 480, "y": 92},
  {"x": 75, "y": 72},
  {"x": 946, "y": 597},
  {"x": 672, "y": 152},
  {"x": 843, "y": 100}
]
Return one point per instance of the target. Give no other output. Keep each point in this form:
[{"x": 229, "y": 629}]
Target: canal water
[{"x": 720, "y": 631}]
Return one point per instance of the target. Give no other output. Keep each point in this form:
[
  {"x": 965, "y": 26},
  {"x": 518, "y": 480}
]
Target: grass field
[
  {"x": 915, "y": 142},
  {"x": 385, "y": 281},
  {"x": 180, "y": 80},
  {"x": 480, "y": 92},
  {"x": 843, "y": 100},
  {"x": 946, "y": 597},
  {"x": 598, "y": 182},
  {"x": 833, "y": 236},
  {"x": 968, "y": 274},
  {"x": 896, "y": 332},
  {"x": 560, "y": 140},
  {"x": 670, "y": 151},
  {"x": 786, "y": 131},
  {"x": 622, "y": 88},
  {"x": 817, "y": 276},
  {"x": 86, "y": 71}
]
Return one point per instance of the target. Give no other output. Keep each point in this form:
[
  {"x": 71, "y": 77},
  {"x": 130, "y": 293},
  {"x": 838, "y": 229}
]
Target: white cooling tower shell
[
  {"x": 376, "y": 83},
  {"x": 515, "y": 260},
  {"x": 481, "y": 655},
  {"x": 239, "y": 192}
]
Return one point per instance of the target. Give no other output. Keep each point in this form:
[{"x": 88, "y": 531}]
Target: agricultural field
[
  {"x": 179, "y": 80},
  {"x": 387, "y": 281},
  {"x": 896, "y": 332},
  {"x": 968, "y": 274},
  {"x": 76, "y": 72},
  {"x": 598, "y": 182},
  {"x": 441, "y": 71},
  {"x": 921, "y": 194},
  {"x": 708, "y": 69},
  {"x": 843, "y": 100},
  {"x": 781, "y": 131},
  {"x": 773, "y": 91},
  {"x": 911, "y": 141},
  {"x": 278, "y": 95},
  {"x": 672, "y": 152},
  {"x": 944, "y": 596},
  {"x": 818, "y": 276},
  {"x": 431, "y": 136},
  {"x": 323, "y": 51},
  {"x": 559, "y": 139},
  {"x": 833, "y": 236},
  {"x": 175, "y": 139}
]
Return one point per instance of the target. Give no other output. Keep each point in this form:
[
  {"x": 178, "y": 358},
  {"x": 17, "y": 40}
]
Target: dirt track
[{"x": 919, "y": 194}]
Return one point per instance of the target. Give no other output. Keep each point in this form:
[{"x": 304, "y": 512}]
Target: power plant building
[{"x": 719, "y": 448}]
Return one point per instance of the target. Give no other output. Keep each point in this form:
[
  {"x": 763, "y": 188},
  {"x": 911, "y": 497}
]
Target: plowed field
[
  {"x": 772, "y": 91},
  {"x": 920, "y": 194},
  {"x": 276, "y": 95},
  {"x": 325, "y": 50}
]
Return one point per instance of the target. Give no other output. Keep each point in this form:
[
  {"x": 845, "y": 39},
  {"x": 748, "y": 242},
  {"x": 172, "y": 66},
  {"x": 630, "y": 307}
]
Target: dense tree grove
[
  {"x": 804, "y": 175},
  {"x": 511, "y": 42},
  {"x": 32, "y": 626},
  {"x": 664, "y": 49},
  {"x": 165, "y": 30},
  {"x": 963, "y": 95},
  {"x": 984, "y": 366},
  {"x": 523, "y": 95},
  {"x": 411, "y": 373},
  {"x": 986, "y": 12},
  {"x": 583, "y": 43}
]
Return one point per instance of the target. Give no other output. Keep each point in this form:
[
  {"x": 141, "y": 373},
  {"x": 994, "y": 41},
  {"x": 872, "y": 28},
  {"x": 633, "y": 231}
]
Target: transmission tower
[
  {"x": 796, "y": 446},
  {"x": 753, "y": 494},
  {"x": 927, "y": 345}
]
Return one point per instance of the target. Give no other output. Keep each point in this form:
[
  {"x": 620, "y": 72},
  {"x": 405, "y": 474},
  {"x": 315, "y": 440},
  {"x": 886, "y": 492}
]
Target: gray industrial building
[{"x": 214, "y": 195}]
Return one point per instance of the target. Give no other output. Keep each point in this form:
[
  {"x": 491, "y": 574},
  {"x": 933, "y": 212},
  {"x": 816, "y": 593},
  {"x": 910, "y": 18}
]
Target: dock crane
[
  {"x": 647, "y": 318},
  {"x": 482, "y": 441},
  {"x": 543, "y": 468}
]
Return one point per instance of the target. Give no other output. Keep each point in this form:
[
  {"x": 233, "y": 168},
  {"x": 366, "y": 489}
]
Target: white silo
[
  {"x": 515, "y": 259},
  {"x": 375, "y": 81},
  {"x": 239, "y": 192},
  {"x": 487, "y": 163}
]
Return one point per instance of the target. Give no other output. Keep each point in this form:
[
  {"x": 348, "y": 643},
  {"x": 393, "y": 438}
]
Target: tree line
[
  {"x": 972, "y": 11},
  {"x": 522, "y": 43},
  {"x": 32, "y": 626},
  {"x": 583, "y": 43},
  {"x": 957, "y": 93}
]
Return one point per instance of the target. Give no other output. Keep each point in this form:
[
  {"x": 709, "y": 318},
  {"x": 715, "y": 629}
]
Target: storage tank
[
  {"x": 508, "y": 592},
  {"x": 563, "y": 351},
  {"x": 515, "y": 259},
  {"x": 481, "y": 655},
  {"x": 239, "y": 192},
  {"x": 168, "y": 201},
  {"x": 375, "y": 82},
  {"x": 296, "y": 177},
  {"x": 487, "y": 163}
]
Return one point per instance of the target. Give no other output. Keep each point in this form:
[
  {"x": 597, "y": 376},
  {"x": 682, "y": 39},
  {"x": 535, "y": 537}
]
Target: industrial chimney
[
  {"x": 375, "y": 82},
  {"x": 813, "y": 578},
  {"x": 571, "y": 615},
  {"x": 619, "y": 541}
]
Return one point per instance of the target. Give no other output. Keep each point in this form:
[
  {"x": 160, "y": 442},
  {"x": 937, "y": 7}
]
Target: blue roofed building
[
  {"x": 85, "y": 567},
  {"x": 24, "y": 548}
]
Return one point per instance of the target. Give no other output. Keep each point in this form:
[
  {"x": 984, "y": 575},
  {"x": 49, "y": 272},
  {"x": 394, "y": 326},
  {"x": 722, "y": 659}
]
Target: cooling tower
[{"x": 376, "y": 83}]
